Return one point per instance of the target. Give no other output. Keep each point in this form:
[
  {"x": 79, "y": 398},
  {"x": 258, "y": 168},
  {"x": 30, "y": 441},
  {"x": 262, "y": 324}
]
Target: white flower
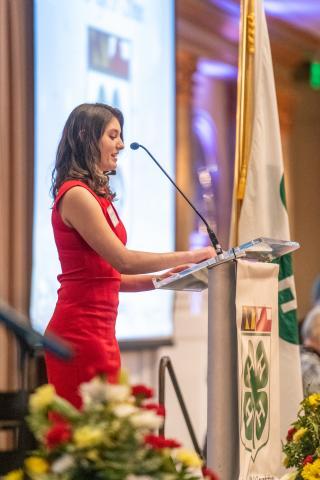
[
  {"x": 117, "y": 393},
  {"x": 124, "y": 410},
  {"x": 62, "y": 464},
  {"x": 93, "y": 392},
  {"x": 289, "y": 476},
  {"x": 97, "y": 391},
  {"x": 146, "y": 419}
]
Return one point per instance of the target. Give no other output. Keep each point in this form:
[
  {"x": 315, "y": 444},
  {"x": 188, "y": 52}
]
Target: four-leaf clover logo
[{"x": 255, "y": 404}]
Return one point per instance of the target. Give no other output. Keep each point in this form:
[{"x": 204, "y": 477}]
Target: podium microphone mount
[{"x": 212, "y": 235}]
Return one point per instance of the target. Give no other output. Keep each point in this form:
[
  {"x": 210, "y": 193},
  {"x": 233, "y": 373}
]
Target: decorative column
[{"x": 186, "y": 67}]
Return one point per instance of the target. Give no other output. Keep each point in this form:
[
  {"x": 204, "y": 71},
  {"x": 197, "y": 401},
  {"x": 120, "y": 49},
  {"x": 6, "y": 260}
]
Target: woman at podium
[{"x": 91, "y": 243}]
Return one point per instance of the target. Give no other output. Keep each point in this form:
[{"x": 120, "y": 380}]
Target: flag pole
[{"x": 244, "y": 111}]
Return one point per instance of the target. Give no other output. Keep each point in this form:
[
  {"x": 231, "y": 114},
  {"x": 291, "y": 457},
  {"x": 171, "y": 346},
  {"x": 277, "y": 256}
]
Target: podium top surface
[{"x": 195, "y": 278}]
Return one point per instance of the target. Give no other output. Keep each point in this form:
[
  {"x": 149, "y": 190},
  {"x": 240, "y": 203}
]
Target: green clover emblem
[{"x": 255, "y": 405}]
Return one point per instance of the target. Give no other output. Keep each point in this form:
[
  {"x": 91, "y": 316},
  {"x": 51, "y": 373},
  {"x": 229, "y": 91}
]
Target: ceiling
[{"x": 301, "y": 14}]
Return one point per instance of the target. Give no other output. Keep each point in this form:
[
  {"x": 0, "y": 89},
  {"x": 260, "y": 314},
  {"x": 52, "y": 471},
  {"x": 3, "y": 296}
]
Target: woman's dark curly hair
[{"x": 78, "y": 154}]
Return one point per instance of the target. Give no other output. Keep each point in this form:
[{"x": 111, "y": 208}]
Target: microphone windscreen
[{"x": 134, "y": 146}]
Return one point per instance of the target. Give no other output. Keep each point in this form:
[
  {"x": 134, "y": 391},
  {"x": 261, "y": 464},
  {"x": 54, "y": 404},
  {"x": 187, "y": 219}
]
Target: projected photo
[
  {"x": 97, "y": 51},
  {"x": 108, "y": 53}
]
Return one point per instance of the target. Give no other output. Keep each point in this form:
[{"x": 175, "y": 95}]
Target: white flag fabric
[
  {"x": 258, "y": 372},
  {"x": 264, "y": 213}
]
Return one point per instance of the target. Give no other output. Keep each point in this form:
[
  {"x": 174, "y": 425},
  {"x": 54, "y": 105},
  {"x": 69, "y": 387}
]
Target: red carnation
[
  {"x": 308, "y": 459},
  {"x": 59, "y": 433},
  {"x": 207, "y": 473},
  {"x": 159, "y": 442},
  {"x": 157, "y": 407},
  {"x": 142, "y": 391},
  {"x": 290, "y": 433},
  {"x": 56, "y": 417}
]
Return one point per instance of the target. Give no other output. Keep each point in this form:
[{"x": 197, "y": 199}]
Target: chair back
[{"x": 16, "y": 438}]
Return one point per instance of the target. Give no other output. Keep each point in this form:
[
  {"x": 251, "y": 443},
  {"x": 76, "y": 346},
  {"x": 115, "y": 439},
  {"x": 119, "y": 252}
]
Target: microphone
[
  {"x": 212, "y": 235},
  {"x": 110, "y": 172}
]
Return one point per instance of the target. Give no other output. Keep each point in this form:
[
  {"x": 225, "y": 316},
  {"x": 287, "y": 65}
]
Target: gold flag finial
[
  {"x": 250, "y": 32},
  {"x": 242, "y": 181},
  {"x": 244, "y": 109}
]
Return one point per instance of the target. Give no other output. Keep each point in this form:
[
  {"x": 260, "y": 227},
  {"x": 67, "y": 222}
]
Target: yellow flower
[
  {"x": 93, "y": 455},
  {"x": 123, "y": 377},
  {"x": 188, "y": 458},
  {"x": 311, "y": 471},
  {"x": 285, "y": 461},
  {"x": 14, "y": 475},
  {"x": 88, "y": 436},
  {"x": 289, "y": 476},
  {"x": 299, "y": 434},
  {"x": 36, "y": 465},
  {"x": 314, "y": 399},
  {"x": 42, "y": 397}
]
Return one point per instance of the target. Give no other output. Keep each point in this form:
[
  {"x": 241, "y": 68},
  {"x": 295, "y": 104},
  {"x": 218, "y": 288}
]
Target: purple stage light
[{"x": 214, "y": 69}]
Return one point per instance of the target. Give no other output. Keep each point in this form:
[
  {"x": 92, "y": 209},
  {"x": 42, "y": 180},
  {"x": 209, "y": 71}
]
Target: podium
[{"x": 218, "y": 274}]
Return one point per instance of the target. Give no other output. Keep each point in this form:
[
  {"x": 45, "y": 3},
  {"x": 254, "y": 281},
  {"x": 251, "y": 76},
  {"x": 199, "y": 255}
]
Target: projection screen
[{"x": 120, "y": 53}]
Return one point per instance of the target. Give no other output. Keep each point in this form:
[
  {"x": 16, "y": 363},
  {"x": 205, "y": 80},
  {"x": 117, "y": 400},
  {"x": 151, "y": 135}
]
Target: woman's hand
[
  {"x": 173, "y": 271},
  {"x": 202, "y": 254},
  {"x": 198, "y": 255}
]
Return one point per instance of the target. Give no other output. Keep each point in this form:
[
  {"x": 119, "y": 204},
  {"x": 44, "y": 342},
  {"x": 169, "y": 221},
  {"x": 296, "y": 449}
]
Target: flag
[{"x": 263, "y": 211}]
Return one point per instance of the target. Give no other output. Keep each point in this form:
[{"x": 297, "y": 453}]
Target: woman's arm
[
  {"x": 142, "y": 283},
  {"x": 81, "y": 211},
  {"x": 136, "y": 283}
]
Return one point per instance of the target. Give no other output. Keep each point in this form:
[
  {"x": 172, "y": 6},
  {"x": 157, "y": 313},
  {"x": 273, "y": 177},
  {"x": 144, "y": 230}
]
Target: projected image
[
  {"x": 108, "y": 54},
  {"x": 99, "y": 51},
  {"x": 108, "y": 82}
]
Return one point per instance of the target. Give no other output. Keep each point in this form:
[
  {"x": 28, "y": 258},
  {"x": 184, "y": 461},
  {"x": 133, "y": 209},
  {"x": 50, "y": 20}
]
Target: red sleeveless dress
[{"x": 86, "y": 310}]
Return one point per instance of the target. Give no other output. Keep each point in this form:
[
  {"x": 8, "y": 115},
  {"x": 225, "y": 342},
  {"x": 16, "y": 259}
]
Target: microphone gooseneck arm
[{"x": 212, "y": 235}]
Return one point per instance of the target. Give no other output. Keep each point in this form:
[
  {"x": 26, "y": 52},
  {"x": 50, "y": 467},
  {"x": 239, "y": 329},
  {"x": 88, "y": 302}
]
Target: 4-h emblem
[{"x": 255, "y": 382}]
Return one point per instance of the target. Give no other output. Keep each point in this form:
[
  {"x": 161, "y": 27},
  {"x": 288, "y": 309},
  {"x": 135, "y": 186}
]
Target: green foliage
[{"x": 302, "y": 448}]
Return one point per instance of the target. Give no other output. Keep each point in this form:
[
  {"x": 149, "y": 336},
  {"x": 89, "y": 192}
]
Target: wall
[{"x": 305, "y": 171}]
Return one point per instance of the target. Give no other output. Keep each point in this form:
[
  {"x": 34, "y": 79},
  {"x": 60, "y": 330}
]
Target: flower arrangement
[
  {"x": 302, "y": 449},
  {"x": 111, "y": 438}
]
